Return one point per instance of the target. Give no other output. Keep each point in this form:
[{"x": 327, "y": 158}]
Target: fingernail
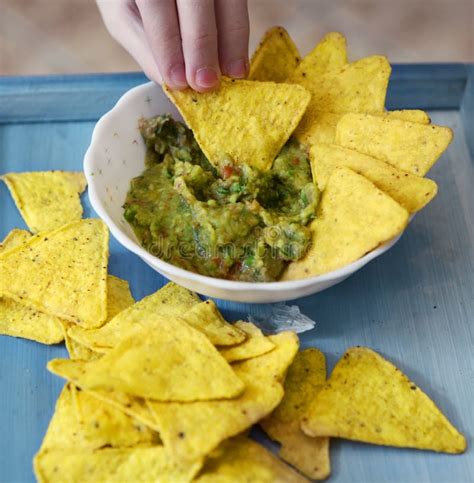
[
  {"x": 206, "y": 77},
  {"x": 178, "y": 76},
  {"x": 237, "y": 69}
]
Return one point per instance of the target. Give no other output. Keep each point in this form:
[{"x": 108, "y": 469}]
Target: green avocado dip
[{"x": 232, "y": 222}]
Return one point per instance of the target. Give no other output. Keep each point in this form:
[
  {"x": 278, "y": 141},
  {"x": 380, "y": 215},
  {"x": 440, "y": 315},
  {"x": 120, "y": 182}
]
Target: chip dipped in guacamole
[{"x": 226, "y": 221}]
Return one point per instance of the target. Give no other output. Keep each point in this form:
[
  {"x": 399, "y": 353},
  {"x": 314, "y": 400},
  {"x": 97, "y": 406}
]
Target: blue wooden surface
[
  {"x": 86, "y": 97},
  {"x": 415, "y": 305}
]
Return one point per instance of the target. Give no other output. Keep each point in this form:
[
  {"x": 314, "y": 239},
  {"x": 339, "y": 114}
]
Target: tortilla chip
[
  {"x": 47, "y": 199},
  {"x": 61, "y": 273},
  {"x": 409, "y": 146},
  {"x": 206, "y": 318},
  {"x": 14, "y": 239},
  {"x": 412, "y": 115},
  {"x": 18, "y": 320},
  {"x": 317, "y": 127},
  {"x": 241, "y": 459},
  {"x": 248, "y": 121},
  {"x": 192, "y": 430},
  {"x": 412, "y": 192},
  {"x": 255, "y": 345},
  {"x": 111, "y": 465},
  {"x": 357, "y": 87},
  {"x": 119, "y": 296},
  {"x": 275, "y": 57},
  {"x": 172, "y": 362},
  {"x": 104, "y": 425},
  {"x": 330, "y": 54},
  {"x": 304, "y": 380},
  {"x": 76, "y": 350},
  {"x": 170, "y": 301},
  {"x": 353, "y": 218},
  {"x": 368, "y": 399}
]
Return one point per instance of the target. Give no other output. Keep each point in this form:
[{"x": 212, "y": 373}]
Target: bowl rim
[{"x": 179, "y": 272}]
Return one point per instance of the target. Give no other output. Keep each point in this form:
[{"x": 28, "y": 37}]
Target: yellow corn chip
[
  {"x": 191, "y": 430},
  {"x": 304, "y": 380},
  {"x": 165, "y": 364},
  {"x": 206, "y": 318},
  {"x": 354, "y": 217},
  {"x": 241, "y": 459},
  {"x": 329, "y": 54},
  {"x": 412, "y": 115},
  {"x": 275, "y": 57},
  {"x": 76, "y": 350},
  {"x": 119, "y": 296},
  {"x": 409, "y": 146},
  {"x": 112, "y": 465},
  {"x": 368, "y": 399},
  {"x": 170, "y": 301},
  {"x": 247, "y": 121},
  {"x": 255, "y": 345},
  {"x": 357, "y": 87},
  {"x": 47, "y": 200},
  {"x": 103, "y": 425},
  {"x": 317, "y": 127},
  {"x": 18, "y": 320},
  {"x": 62, "y": 273},
  {"x": 411, "y": 191},
  {"x": 14, "y": 239}
]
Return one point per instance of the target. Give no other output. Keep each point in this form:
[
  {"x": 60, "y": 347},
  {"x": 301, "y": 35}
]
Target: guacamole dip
[{"x": 231, "y": 221}]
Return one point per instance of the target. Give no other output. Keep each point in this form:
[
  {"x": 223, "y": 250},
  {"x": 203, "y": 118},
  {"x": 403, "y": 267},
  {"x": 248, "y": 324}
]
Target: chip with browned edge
[
  {"x": 353, "y": 218},
  {"x": 368, "y": 399},
  {"x": 411, "y": 191},
  {"x": 304, "y": 380},
  {"x": 171, "y": 362},
  {"x": 61, "y": 273},
  {"x": 47, "y": 199},
  {"x": 244, "y": 460},
  {"x": 275, "y": 57},
  {"x": 409, "y": 146},
  {"x": 192, "y": 430},
  {"x": 246, "y": 121}
]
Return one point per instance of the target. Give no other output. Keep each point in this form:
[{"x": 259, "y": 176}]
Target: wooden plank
[
  {"x": 415, "y": 305},
  {"x": 87, "y": 97}
]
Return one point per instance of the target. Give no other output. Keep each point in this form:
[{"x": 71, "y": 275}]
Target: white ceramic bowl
[{"x": 116, "y": 155}]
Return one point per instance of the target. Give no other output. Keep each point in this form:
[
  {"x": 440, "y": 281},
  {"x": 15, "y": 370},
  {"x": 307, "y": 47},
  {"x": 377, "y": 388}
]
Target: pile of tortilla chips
[{"x": 369, "y": 163}]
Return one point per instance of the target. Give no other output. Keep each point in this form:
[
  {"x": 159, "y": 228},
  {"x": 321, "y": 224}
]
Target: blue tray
[{"x": 414, "y": 304}]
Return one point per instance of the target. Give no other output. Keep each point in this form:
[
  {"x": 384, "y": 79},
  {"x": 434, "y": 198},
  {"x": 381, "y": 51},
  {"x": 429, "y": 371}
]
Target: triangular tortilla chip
[
  {"x": 112, "y": 465},
  {"x": 328, "y": 55},
  {"x": 191, "y": 430},
  {"x": 170, "y": 301},
  {"x": 248, "y": 121},
  {"x": 165, "y": 364},
  {"x": 412, "y": 192},
  {"x": 255, "y": 345},
  {"x": 275, "y": 57},
  {"x": 241, "y": 459},
  {"x": 304, "y": 380},
  {"x": 18, "y": 320},
  {"x": 353, "y": 218},
  {"x": 412, "y": 115},
  {"x": 14, "y": 239},
  {"x": 409, "y": 146},
  {"x": 47, "y": 199},
  {"x": 368, "y": 399},
  {"x": 103, "y": 425},
  {"x": 357, "y": 87},
  {"x": 61, "y": 273},
  {"x": 206, "y": 318}
]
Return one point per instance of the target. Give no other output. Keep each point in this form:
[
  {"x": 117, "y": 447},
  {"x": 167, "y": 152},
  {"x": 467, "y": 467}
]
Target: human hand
[{"x": 182, "y": 42}]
